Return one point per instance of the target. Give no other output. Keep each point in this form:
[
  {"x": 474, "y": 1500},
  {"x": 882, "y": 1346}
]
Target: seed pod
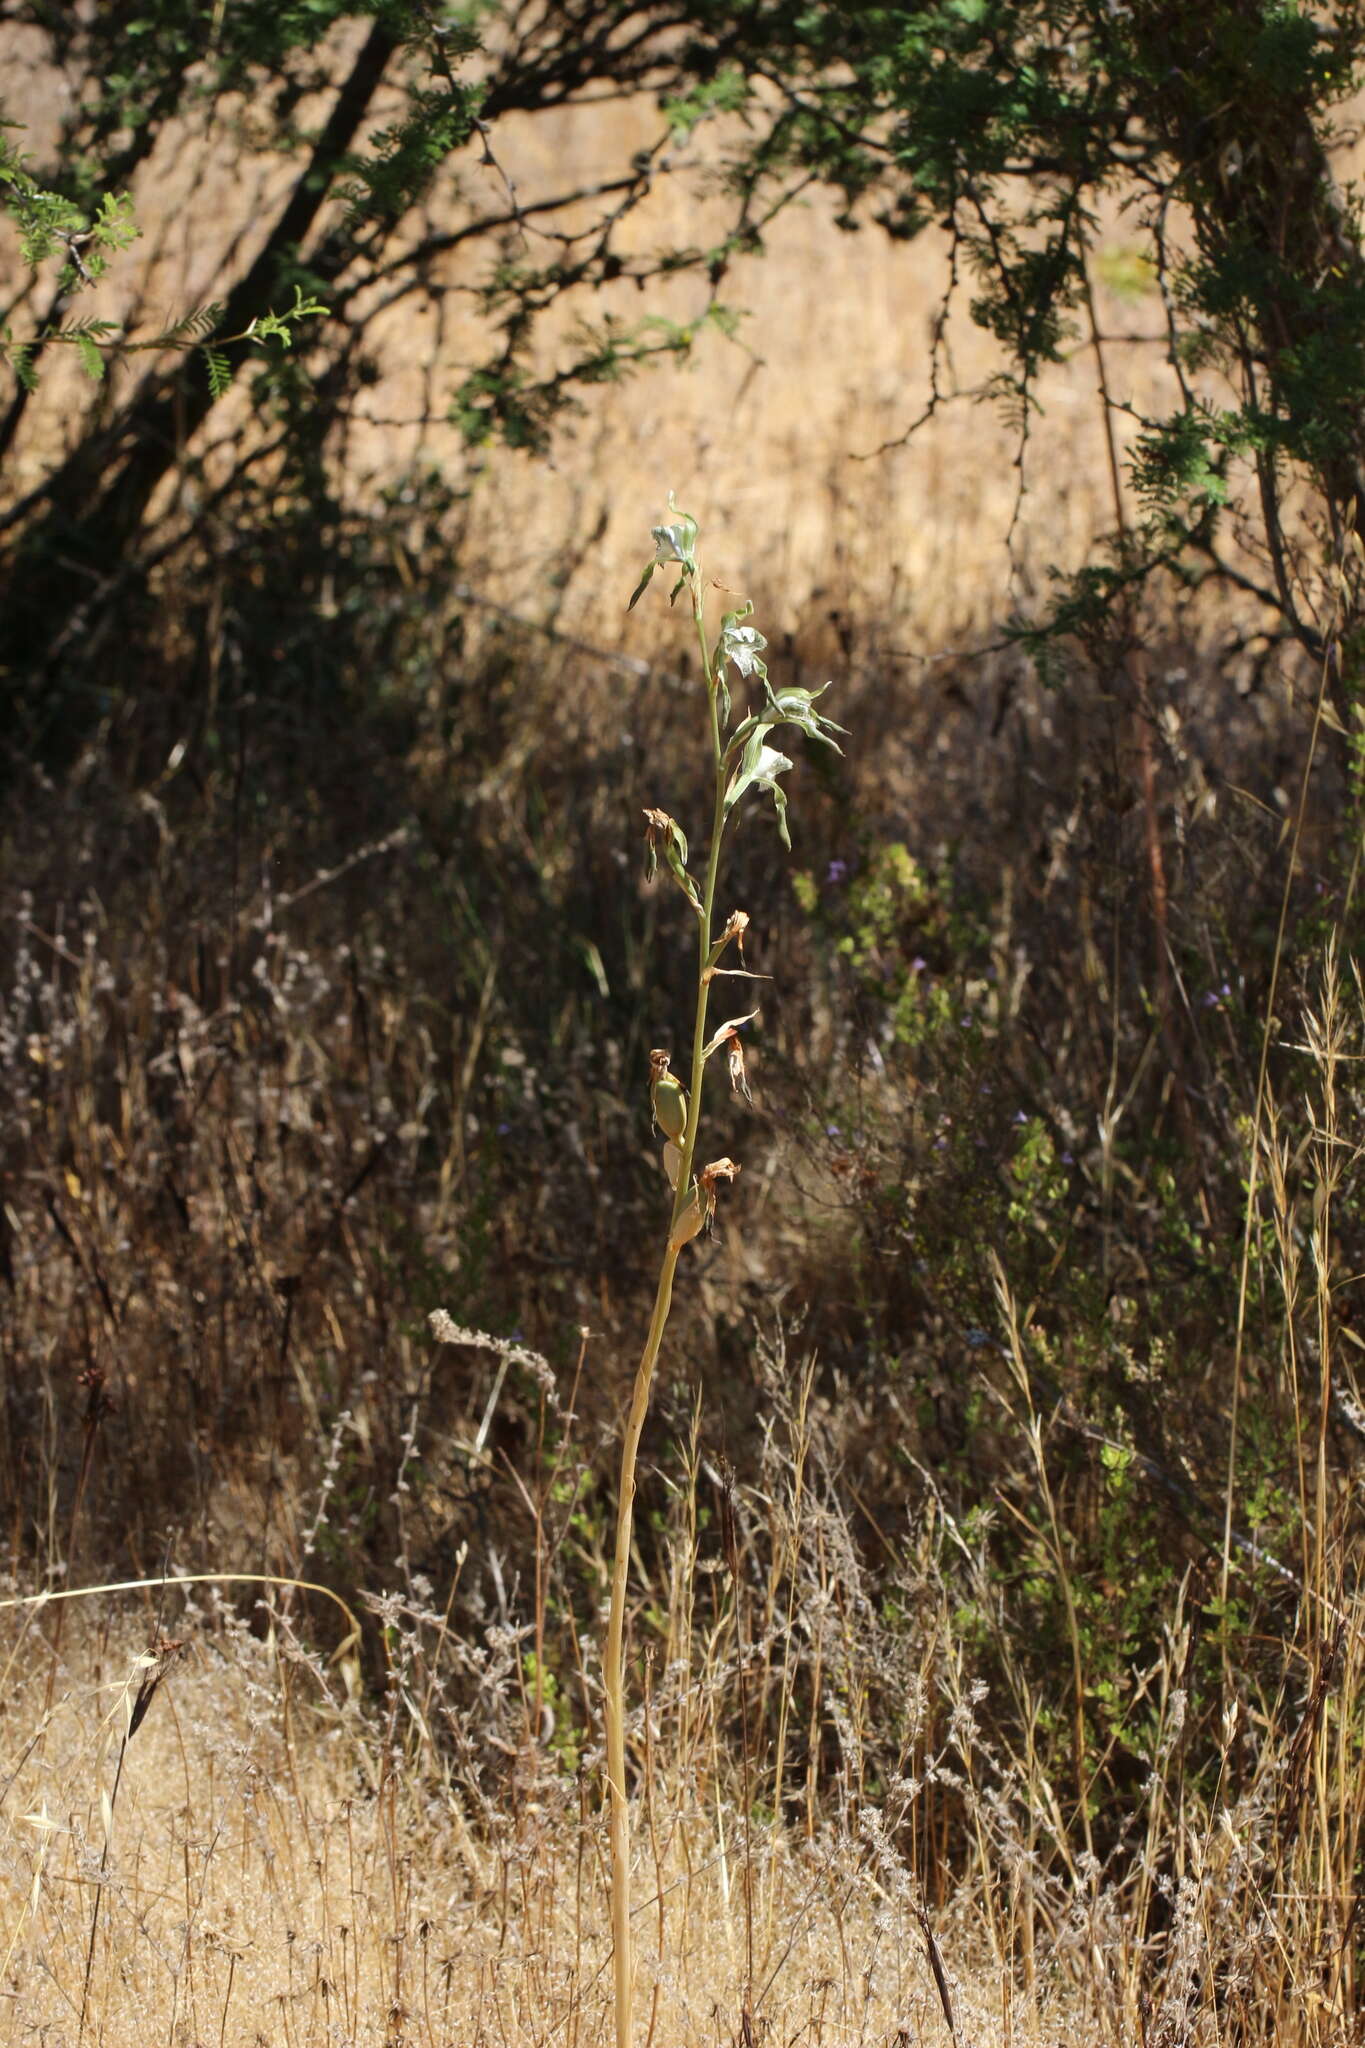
[
  {"x": 701, "y": 1203},
  {"x": 695, "y": 1216},
  {"x": 667, "y": 1096}
]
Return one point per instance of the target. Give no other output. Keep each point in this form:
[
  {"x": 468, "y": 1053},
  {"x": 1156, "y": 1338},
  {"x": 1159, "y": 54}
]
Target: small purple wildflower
[{"x": 837, "y": 871}]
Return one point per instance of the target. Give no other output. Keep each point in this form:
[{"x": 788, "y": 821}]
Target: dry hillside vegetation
[
  {"x": 997, "y": 1668},
  {"x": 276, "y": 1870},
  {"x": 769, "y": 432}
]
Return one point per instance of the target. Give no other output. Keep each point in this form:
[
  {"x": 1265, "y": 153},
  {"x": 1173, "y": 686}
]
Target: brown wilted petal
[
  {"x": 727, "y": 1029},
  {"x": 735, "y": 1058}
]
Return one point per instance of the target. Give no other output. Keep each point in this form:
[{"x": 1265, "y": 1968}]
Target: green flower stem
[
  {"x": 749, "y": 762},
  {"x": 614, "y": 1671},
  {"x": 613, "y": 1675}
]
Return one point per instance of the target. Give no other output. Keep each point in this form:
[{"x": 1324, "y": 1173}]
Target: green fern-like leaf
[
  {"x": 92, "y": 362},
  {"x": 19, "y": 355},
  {"x": 82, "y": 330},
  {"x": 196, "y": 325}
]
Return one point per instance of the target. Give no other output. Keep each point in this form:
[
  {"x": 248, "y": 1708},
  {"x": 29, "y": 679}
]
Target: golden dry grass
[{"x": 277, "y": 1869}]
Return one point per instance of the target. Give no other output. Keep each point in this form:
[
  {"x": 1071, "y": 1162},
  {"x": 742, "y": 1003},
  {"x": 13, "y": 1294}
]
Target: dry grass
[
  {"x": 253, "y": 1154},
  {"x": 279, "y": 1869},
  {"x": 251, "y": 1159},
  {"x": 211, "y": 1838}
]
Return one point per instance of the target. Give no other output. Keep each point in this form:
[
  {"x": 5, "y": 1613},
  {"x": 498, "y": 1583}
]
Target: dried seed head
[
  {"x": 658, "y": 826},
  {"x": 735, "y": 927},
  {"x": 664, "y": 835}
]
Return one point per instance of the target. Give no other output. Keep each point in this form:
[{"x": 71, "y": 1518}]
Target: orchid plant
[{"x": 745, "y": 765}]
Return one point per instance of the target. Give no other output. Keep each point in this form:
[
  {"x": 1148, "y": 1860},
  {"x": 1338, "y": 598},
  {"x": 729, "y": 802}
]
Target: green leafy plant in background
[
  {"x": 51, "y": 226},
  {"x": 376, "y": 125},
  {"x": 1016, "y": 128},
  {"x": 1013, "y": 125},
  {"x": 745, "y": 763}
]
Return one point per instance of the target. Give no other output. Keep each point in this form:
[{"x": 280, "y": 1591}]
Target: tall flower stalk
[{"x": 745, "y": 764}]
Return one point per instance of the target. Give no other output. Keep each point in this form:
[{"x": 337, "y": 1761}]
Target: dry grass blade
[{"x": 144, "y": 1680}]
